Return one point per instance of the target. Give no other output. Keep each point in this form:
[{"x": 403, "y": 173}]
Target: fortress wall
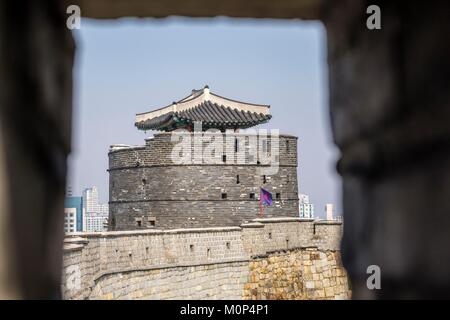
[
  {"x": 299, "y": 274},
  {"x": 199, "y": 182},
  {"x": 146, "y": 185},
  {"x": 278, "y": 234},
  {"x": 183, "y": 214},
  {"x": 215, "y": 263},
  {"x": 327, "y": 234},
  {"x": 158, "y": 150},
  {"x": 217, "y": 281}
]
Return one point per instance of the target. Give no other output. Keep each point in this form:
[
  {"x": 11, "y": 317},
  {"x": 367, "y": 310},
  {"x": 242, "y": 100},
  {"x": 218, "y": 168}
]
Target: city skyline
[{"x": 83, "y": 212}]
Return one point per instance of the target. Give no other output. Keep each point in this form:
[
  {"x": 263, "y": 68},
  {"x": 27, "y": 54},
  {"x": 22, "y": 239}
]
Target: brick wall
[
  {"x": 301, "y": 274},
  {"x": 148, "y": 190},
  {"x": 214, "y": 263}
]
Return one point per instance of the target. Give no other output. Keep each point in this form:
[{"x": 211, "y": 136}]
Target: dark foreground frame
[{"x": 389, "y": 107}]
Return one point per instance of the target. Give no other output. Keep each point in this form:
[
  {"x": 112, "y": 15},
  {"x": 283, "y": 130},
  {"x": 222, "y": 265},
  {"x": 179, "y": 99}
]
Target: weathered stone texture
[
  {"x": 145, "y": 183},
  {"x": 390, "y": 115},
  {"x": 297, "y": 275},
  {"x": 218, "y": 281},
  {"x": 206, "y": 263},
  {"x": 36, "y": 60}
]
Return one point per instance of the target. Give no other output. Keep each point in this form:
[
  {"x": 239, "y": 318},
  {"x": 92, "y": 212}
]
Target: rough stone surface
[
  {"x": 36, "y": 60},
  {"x": 145, "y": 185},
  {"x": 267, "y": 258},
  {"x": 302, "y": 274},
  {"x": 390, "y": 112},
  {"x": 104, "y": 9}
]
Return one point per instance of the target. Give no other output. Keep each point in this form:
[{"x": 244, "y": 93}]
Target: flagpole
[{"x": 260, "y": 203}]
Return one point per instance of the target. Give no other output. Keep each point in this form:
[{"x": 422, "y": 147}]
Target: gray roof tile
[{"x": 210, "y": 114}]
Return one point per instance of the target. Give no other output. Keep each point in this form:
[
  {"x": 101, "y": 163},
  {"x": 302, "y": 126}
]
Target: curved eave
[
  {"x": 228, "y": 124},
  {"x": 175, "y": 121}
]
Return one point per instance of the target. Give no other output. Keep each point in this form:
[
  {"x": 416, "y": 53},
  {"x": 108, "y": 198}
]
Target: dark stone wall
[
  {"x": 144, "y": 183},
  {"x": 36, "y": 60},
  {"x": 196, "y": 214},
  {"x": 390, "y": 112},
  {"x": 161, "y": 148}
]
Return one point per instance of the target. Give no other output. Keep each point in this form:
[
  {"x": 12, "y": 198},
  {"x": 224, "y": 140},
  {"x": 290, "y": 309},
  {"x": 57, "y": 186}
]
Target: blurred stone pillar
[
  {"x": 390, "y": 111},
  {"x": 36, "y": 58}
]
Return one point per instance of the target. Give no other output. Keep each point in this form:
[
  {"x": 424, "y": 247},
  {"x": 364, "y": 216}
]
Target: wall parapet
[{"x": 100, "y": 255}]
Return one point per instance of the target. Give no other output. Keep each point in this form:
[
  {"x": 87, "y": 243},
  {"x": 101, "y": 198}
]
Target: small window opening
[
  {"x": 151, "y": 221},
  {"x": 252, "y": 195},
  {"x": 224, "y": 195}
]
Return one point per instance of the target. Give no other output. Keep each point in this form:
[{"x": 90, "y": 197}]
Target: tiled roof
[
  {"x": 211, "y": 110},
  {"x": 210, "y": 114}
]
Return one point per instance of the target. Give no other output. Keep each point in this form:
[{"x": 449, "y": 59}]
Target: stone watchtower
[{"x": 150, "y": 187}]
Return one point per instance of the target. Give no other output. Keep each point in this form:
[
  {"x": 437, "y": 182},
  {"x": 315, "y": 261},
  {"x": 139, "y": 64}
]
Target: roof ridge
[{"x": 238, "y": 101}]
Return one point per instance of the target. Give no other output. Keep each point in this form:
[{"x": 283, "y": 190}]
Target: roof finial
[
  {"x": 206, "y": 93},
  {"x": 206, "y": 86}
]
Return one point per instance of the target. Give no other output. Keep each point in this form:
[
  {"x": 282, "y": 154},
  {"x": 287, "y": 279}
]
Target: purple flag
[{"x": 265, "y": 197}]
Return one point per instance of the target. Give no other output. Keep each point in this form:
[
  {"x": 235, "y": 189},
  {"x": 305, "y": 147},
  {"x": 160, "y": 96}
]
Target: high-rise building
[
  {"x": 95, "y": 213},
  {"x": 329, "y": 211},
  {"x": 96, "y": 221},
  {"x": 90, "y": 197},
  {"x": 306, "y": 209},
  {"x": 69, "y": 192},
  {"x": 73, "y": 214}
]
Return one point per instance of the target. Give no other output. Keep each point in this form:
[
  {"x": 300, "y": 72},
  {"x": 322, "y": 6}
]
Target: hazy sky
[{"x": 128, "y": 66}]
